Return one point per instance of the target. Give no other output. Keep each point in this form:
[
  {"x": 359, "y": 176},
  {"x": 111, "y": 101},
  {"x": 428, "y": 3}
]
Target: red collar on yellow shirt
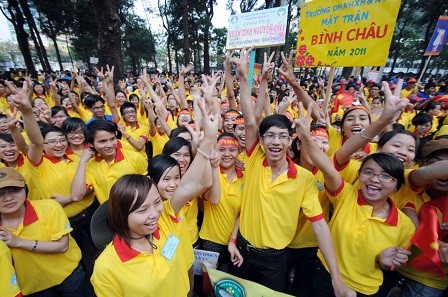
[
  {"x": 118, "y": 155},
  {"x": 124, "y": 251},
  {"x": 30, "y": 214},
  {"x": 292, "y": 170},
  {"x": 392, "y": 218}
]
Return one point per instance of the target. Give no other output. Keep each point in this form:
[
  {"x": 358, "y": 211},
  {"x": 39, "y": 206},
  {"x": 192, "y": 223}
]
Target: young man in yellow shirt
[{"x": 275, "y": 191}]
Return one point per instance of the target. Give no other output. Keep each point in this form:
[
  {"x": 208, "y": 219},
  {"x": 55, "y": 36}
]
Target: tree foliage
[
  {"x": 139, "y": 45},
  {"x": 415, "y": 24}
]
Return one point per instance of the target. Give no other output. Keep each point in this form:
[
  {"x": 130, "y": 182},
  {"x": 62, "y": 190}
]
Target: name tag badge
[
  {"x": 320, "y": 187},
  {"x": 170, "y": 247}
]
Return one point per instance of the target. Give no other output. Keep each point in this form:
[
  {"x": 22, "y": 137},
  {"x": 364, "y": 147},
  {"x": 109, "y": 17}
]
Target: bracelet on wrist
[
  {"x": 203, "y": 154},
  {"x": 365, "y": 137},
  {"x": 35, "y": 246},
  {"x": 232, "y": 240}
]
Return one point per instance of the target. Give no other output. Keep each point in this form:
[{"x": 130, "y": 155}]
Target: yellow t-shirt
[
  {"x": 358, "y": 238},
  {"x": 8, "y": 278},
  {"x": 101, "y": 176},
  {"x": 158, "y": 142},
  {"x": 123, "y": 271},
  {"x": 304, "y": 237},
  {"x": 54, "y": 178},
  {"x": 48, "y": 99},
  {"x": 406, "y": 92},
  {"x": 270, "y": 210},
  {"x": 44, "y": 220},
  {"x": 3, "y": 103},
  {"x": 136, "y": 133},
  {"x": 191, "y": 211},
  {"x": 336, "y": 140},
  {"x": 219, "y": 219}
]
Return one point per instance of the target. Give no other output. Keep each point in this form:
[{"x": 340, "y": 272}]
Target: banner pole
[
  {"x": 424, "y": 69},
  {"x": 250, "y": 74},
  {"x": 329, "y": 88}
]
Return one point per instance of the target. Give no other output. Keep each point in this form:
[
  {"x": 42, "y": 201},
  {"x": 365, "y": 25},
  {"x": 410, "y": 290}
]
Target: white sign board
[
  {"x": 209, "y": 259},
  {"x": 261, "y": 28},
  {"x": 373, "y": 75},
  {"x": 93, "y": 60}
]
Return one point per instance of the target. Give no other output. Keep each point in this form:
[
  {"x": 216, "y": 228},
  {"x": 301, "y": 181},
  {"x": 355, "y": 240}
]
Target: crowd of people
[{"x": 306, "y": 185}]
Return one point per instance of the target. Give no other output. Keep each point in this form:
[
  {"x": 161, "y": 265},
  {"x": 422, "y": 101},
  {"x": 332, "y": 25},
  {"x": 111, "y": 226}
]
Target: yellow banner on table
[
  {"x": 227, "y": 285},
  {"x": 346, "y": 32}
]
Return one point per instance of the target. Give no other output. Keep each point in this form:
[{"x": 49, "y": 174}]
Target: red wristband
[{"x": 232, "y": 240}]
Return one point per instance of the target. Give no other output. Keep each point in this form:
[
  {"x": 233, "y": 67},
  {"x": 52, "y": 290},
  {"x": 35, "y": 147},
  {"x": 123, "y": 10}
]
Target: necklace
[{"x": 148, "y": 238}]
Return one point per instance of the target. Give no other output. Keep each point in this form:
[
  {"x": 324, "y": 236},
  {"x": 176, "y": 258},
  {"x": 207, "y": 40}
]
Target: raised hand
[
  {"x": 186, "y": 69},
  {"x": 52, "y": 83},
  {"x": 393, "y": 104},
  {"x": 20, "y": 100},
  {"x": 209, "y": 123},
  {"x": 302, "y": 124},
  {"x": 99, "y": 73},
  {"x": 109, "y": 74},
  {"x": 208, "y": 86},
  {"x": 268, "y": 66},
  {"x": 287, "y": 69},
  {"x": 241, "y": 62},
  {"x": 215, "y": 158}
]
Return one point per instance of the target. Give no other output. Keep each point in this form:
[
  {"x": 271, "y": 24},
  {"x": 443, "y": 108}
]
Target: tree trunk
[
  {"x": 206, "y": 50},
  {"x": 346, "y": 72},
  {"x": 166, "y": 25},
  {"x": 185, "y": 32},
  {"x": 89, "y": 66},
  {"x": 210, "y": 13},
  {"x": 35, "y": 35},
  {"x": 168, "y": 46},
  {"x": 176, "y": 58},
  {"x": 58, "y": 54},
  {"x": 55, "y": 43},
  {"x": 17, "y": 20},
  {"x": 134, "y": 64},
  {"x": 109, "y": 37}
]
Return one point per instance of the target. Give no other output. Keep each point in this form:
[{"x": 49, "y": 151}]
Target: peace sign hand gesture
[
  {"x": 268, "y": 66},
  {"x": 241, "y": 62},
  {"x": 286, "y": 69}
]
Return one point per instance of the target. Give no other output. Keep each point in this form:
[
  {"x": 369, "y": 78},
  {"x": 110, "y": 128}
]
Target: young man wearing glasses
[{"x": 275, "y": 192}]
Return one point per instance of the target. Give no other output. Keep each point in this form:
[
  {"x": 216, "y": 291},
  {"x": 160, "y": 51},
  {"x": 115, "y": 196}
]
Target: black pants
[
  {"x": 224, "y": 256},
  {"x": 81, "y": 234},
  {"x": 264, "y": 266},
  {"x": 301, "y": 261},
  {"x": 322, "y": 286}
]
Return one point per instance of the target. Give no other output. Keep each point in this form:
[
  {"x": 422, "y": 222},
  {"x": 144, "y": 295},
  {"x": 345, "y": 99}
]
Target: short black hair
[
  {"x": 71, "y": 124},
  {"x": 179, "y": 130},
  {"x": 392, "y": 165},
  {"x": 47, "y": 129},
  {"x": 91, "y": 99},
  {"x": 58, "y": 108},
  {"x": 175, "y": 144},
  {"x": 127, "y": 105},
  {"x": 421, "y": 118},
  {"x": 275, "y": 120},
  {"x": 100, "y": 125},
  {"x": 159, "y": 164}
]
